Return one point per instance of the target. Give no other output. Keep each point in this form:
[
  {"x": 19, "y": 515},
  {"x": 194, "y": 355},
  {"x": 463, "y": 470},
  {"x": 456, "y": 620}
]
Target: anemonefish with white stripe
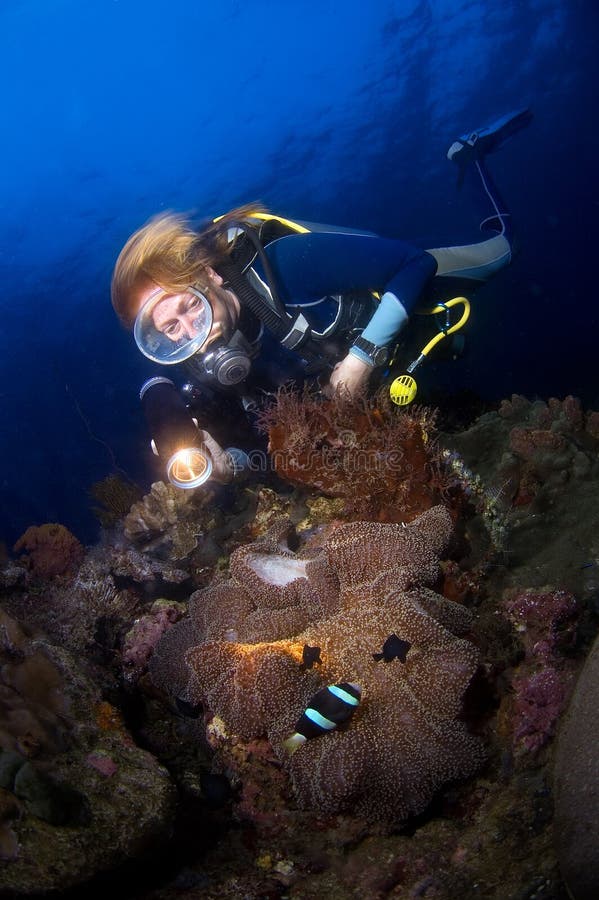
[{"x": 328, "y": 708}]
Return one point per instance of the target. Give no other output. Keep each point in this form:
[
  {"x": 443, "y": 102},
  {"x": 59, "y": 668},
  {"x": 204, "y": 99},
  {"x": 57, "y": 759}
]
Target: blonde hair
[{"x": 168, "y": 252}]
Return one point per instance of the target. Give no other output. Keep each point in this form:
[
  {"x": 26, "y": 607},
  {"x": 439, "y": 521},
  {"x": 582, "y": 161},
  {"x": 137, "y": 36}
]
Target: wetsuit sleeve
[{"x": 309, "y": 266}]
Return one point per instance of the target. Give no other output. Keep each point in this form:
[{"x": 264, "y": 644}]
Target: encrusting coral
[
  {"x": 547, "y": 439},
  {"x": 167, "y": 514},
  {"x": 145, "y": 633},
  {"x": 244, "y": 642},
  {"x": 535, "y": 470},
  {"x": 540, "y": 446}
]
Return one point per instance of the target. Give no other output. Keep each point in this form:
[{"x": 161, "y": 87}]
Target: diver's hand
[
  {"x": 222, "y": 464},
  {"x": 350, "y": 376}
]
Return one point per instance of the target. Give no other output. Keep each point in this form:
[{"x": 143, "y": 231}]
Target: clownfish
[{"x": 328, "y": 708}]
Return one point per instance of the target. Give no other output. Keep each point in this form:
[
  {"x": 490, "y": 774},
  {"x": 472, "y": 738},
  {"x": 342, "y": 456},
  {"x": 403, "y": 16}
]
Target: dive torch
[{"x": 176, "y": 438}]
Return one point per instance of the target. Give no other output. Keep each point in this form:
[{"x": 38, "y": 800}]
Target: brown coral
[
  {"x": 50, "y": 549},
  {"x": 382, "y": 460},
  {"x": 365, "y": 583}
]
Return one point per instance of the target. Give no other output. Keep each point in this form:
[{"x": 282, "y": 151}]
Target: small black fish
[
  {"x": 328, "y": 708},
  {"x": 392, "y": 648},
  {"x": 310, "y": 657},
  {"x": 189, "y": 710},
  {"x": 216, "y": 789}
]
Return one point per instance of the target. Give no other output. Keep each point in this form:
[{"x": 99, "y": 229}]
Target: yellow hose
[
  {"x": 403, "y": 389},
  {"x": 442, "y": 307}
]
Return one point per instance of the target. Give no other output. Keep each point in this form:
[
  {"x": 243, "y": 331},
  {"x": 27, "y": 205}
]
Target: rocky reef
[
  {"x": 576, "y": 786},
  {"x": 76, "y": 794},
  {"x": 148, "y": 684},
  {"x": 538, "y": 464}
]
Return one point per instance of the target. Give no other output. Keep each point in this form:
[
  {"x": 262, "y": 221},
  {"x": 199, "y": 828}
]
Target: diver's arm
[
  {"x": 320, "y": 264},
  {"x": 401, "y": 296},
  {"x": 317, "y": 264}
]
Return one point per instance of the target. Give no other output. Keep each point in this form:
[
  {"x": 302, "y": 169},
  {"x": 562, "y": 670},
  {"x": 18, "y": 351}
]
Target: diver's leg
[
  {"x": 482, "y": 141},
  {"x": 479, "y": 261},
  {"x": 469, "y": 153}
]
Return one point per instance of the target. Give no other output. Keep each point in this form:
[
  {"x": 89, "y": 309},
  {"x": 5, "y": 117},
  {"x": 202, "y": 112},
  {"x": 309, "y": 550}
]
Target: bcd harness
[{"x": 262, "y": 298}]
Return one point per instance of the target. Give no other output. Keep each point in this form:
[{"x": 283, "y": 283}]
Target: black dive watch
[{"x": 377, "y": 355}]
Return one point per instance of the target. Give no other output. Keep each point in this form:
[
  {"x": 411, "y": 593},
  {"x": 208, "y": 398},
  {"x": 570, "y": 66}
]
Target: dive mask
[{"x": 185, "y": 321}]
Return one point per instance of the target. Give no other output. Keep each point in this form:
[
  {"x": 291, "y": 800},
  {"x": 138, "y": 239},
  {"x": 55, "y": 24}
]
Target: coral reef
[
  {"x": 147, "y": 630},
  {"x": 547, "y": 440},
  {"x": 189, "y": 526},
  {"x": 71, "y": 612},
  {"x": 382, "y": 460},
  {"x": 546, "y": 624},
  {"x": 490, "y": 503},
  {"x": 114, "y": 498},
  {"x": 58, "y": 821},
  {"x": 364, "y": 581},
  {"x": 94, "y": 612},
  {"x": 49, "y": 550},
  {"x": 539, "y": 700},
  {"x": 545, "y": 621},
  {"x": 77, "y": 796},
  {"x": 537, "y": 463},
  {"x": 167, "y": 514}
]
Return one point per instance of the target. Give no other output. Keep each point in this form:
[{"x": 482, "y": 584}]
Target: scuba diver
[{"x": 252, "y": 301}]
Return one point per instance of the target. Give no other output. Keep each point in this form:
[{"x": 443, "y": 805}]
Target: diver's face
[
  {"x": 225, "y": 311},
  {"x": 181, "y": 317}
]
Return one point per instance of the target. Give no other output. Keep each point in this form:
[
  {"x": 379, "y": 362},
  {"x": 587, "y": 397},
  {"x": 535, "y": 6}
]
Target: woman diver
[{"x": 254, "y": 300}]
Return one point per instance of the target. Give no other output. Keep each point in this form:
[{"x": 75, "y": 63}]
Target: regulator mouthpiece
[{"x": 176, "y": 438}]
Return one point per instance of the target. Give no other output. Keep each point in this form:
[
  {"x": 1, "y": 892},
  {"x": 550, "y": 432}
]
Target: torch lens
[{"x": 189, "y": 468}]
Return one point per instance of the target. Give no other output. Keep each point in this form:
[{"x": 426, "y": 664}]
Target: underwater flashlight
[{"x": 176, "y": 438}]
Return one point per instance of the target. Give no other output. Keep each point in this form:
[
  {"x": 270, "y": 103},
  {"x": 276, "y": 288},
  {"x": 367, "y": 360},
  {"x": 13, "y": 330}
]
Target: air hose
[
  {"x": 294, "y": 333},
  {"x": 404, "y": 388}
]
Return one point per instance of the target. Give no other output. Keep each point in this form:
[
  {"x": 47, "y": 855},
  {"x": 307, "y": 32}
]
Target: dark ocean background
[{"x": 328, "y": 111}]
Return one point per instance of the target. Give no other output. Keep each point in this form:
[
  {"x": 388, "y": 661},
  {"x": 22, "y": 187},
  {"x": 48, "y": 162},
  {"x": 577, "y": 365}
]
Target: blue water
[{"x": 333, "y": 111}]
